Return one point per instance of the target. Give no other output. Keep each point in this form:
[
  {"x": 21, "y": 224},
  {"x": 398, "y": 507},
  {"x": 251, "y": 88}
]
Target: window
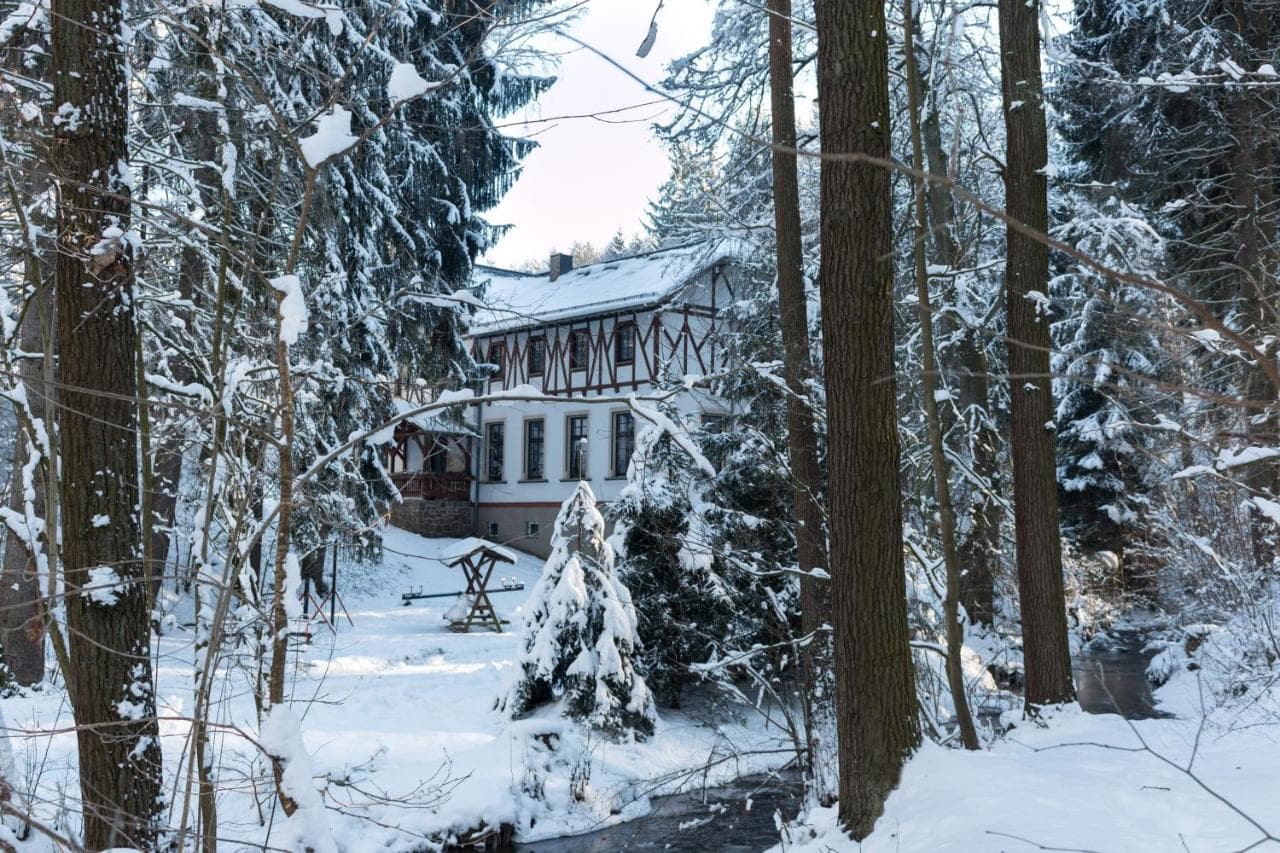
[
  {"x": 714, "y": 424},
  {"x": 533, "y": 528},
  {"x": 436, "y": 458},
  {"x": 624, "y": 344},
  {"x": 624, "y": 441},
  {"x": 493, "y": 528},
  {"x": 495, "y": 452},
  {"x": 537, "y": 356},
  {"x": 576, "y": 451},
  {"x": 534, "y": 442},
  {"x": 497, "y": 354},
  {"x": 579, "y": 348}
]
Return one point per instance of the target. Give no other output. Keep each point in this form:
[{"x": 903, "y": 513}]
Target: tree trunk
[
  {"x": 21, "y": 623},
  {"x": 929, "y": 388},
  {"x": 1035, "y": 488},
  {"x": 109, "y": 623},
  {"x": 877, "y": 717},
  {"x": 802, "y": 437},
  {"x": 1253, "y": 194},
  {"x": 965, "y": 360}
]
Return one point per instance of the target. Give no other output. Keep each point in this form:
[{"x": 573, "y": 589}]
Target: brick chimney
[{"x": 560, "y": 264}]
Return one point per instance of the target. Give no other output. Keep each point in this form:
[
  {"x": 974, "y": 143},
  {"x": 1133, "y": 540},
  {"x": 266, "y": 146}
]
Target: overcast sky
[{"x": 593, "y": 175}]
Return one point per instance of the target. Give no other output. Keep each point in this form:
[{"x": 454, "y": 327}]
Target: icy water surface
[
  {"x": 1111, "y": 676},
  {"x": 717, "y": 819}
]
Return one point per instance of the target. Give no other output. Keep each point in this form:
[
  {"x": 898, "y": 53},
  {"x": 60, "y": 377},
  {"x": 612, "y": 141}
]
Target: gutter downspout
[{"x": 477, "y": 387}]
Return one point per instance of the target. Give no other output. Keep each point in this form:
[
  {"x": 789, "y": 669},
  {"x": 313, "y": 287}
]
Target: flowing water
[
  {"x": 737, "y": 818},
  {"x": 1110, "y": 676}
]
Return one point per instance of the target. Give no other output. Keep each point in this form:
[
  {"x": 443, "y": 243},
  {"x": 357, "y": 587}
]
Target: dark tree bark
[
  {"x": 964, "y": 360},
  {"x": 1253, "y": 185},
  {"x": 875, "y": 685},
  {"x": 802, "y": 436},
  {"x": 1035, "y": 488},
  {"x": 109, "y": 623},
  {"x": 929, "y": 388},
  {"x": 22, "y": 631}
]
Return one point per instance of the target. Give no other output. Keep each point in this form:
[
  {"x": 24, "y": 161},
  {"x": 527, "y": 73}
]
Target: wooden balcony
[
  {"x": 433, "y": 487},
  {"x": 418, "y": 394}
]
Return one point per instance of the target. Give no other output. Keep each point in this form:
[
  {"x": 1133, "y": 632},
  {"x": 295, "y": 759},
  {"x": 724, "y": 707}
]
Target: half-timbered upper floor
[{"x": 615, "y": 326}]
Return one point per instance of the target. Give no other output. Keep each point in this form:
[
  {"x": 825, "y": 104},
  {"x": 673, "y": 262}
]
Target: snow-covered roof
[
  {"x": 515, "y": 300},
  {"x": 439, "y": 421},
  {"x": 471, "y": 544}
]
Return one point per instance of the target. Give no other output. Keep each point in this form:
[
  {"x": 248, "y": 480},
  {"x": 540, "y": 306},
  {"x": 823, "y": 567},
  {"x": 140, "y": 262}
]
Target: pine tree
[
  {"x": 1110, "y": 354},
  {"x": 1198, "y": 148},
  {"x": 580, "y": 637}
]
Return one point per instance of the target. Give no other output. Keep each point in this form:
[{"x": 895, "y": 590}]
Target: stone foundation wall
[{"x": 434, "y": 518}]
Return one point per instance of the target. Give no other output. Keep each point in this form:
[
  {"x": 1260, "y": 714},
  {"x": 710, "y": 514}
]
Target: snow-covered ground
[
  {"x": 397, "y": 713},
  {"x": 1091, "y": 783}
]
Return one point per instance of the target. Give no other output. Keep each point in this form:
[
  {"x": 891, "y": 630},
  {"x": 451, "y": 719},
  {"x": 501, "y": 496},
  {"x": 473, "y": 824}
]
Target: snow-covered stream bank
[
  {"x": 397, "y": 713},
  {"x": 1195, "y": 781}
]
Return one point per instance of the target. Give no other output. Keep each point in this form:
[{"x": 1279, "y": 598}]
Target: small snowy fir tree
[{"x": 579, "y": 632}]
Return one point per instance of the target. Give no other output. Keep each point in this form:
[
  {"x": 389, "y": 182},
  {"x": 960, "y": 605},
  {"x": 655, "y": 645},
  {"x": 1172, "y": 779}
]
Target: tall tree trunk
[
  {"x": 875, "y": 680},
  {"x": 1035, "y": 488},
  {"x": 107, "y": 613},
  {"x": 929, "y": 388},
  {"x": 1253, "y": 194},
  {"x": 21, "y": 622},
  {"x": 963, "y": 357},
  {"x": 199, "y": 139},
  {"x": 802, "y": 437}
]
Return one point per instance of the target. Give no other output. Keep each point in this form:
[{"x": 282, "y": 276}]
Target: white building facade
[{"x": 588, "y": 337}]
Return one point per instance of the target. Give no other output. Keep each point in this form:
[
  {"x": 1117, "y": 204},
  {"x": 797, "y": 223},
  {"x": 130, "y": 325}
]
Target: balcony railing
[
  {"x": 419, "y": 394},
  {"x": 433, "y": 487}
]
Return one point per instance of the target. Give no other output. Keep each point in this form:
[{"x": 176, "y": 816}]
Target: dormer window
[
  {"x": 624, "y": 343},
  {"x": 537, "y": 356},
  {"x": 579, "y": 349}
]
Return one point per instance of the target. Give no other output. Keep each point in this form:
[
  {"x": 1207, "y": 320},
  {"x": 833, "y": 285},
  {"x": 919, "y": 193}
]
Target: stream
[
  {"x": 1110, "y": 674},
  {"x": 736, "y": 818}
]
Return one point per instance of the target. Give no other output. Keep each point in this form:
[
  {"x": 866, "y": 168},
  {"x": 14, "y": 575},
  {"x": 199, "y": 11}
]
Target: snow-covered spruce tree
[
  {"x": 401, "y": 223},
  {"x": 1111, "y": 353},
  {"x": 1171, "y": 103},
  {"x": 705, "y": 555},
  {"x": 580, "y": 637}
]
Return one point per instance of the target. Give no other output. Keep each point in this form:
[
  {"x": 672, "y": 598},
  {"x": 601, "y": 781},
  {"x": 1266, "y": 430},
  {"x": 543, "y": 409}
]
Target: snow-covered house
[{"x": 589, "y": 337}]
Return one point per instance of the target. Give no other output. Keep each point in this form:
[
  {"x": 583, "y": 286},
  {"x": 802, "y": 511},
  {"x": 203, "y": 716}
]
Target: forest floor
[
  {"x": 1203, "y": 780},
  {"x": 397, "y": 713}
]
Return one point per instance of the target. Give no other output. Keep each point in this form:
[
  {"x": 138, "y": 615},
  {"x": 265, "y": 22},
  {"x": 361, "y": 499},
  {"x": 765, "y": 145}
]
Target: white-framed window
[
  {"x": 535, "y": 445},
  {"x": 579, "y": 349},
  {"x": 495, "y": 451},
  {"x": 624, "y": 343},
  {"x": 622, "y": 442},
  {"x": 537, "y": 355},
  {"x": 576, "y": 428}
]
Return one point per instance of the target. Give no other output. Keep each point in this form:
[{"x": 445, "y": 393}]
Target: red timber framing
[{"x": 666, "y": 334}]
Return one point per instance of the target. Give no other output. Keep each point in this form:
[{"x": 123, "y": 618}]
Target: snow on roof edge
[{"x": 520, "y": 300}]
